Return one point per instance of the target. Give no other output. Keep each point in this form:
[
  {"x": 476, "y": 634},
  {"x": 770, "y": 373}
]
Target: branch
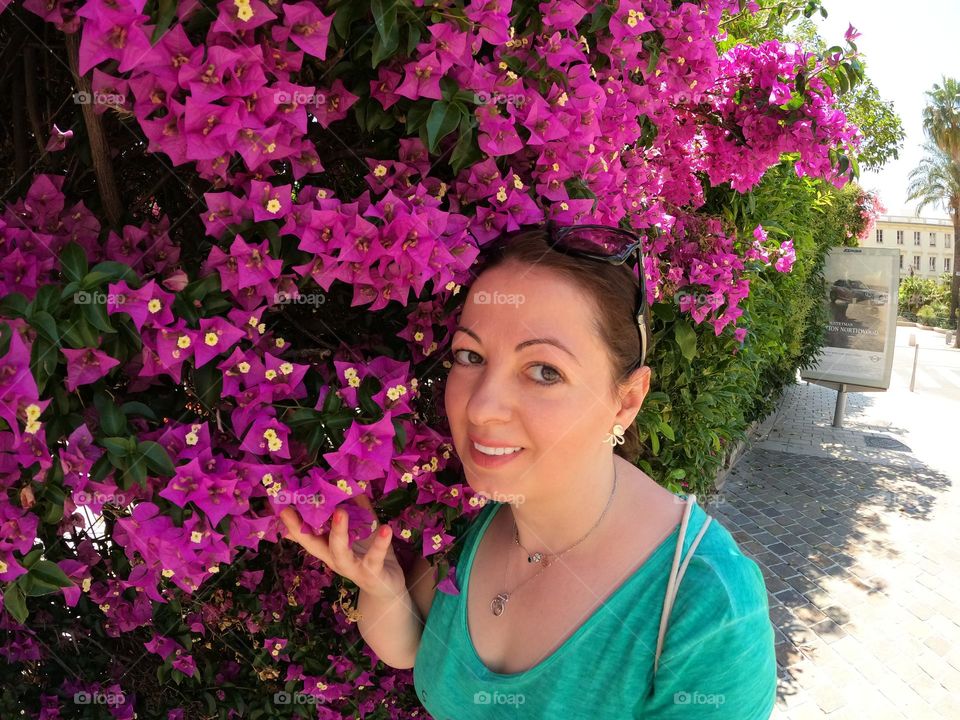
[{"x": 99, "y": 150}]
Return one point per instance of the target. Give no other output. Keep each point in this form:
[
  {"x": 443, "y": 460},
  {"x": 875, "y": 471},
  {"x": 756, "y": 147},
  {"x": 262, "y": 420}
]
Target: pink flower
[
  {"x": 86, "y": 366},
  {"x": 309, "y": 27}
]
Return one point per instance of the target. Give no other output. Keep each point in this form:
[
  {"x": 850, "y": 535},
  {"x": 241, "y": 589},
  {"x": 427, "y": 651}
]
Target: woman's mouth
[{"x": 491, "y": 456}]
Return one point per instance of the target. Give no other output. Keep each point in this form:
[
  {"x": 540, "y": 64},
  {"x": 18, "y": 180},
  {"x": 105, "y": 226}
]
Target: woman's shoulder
[{"x": 721, "y": 583}]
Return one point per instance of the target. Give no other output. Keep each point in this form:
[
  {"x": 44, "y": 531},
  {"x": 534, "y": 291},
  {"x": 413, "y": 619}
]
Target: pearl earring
[{"x": 616, "y": 437}]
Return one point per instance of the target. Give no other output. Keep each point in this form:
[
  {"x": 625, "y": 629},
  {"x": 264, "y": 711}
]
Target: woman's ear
[{"x": 634, "y": 390}]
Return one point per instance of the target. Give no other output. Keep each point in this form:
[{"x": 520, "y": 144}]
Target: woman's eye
[
  {"x": 549, "y": 370},
  {"x": 462, "y": 362}
]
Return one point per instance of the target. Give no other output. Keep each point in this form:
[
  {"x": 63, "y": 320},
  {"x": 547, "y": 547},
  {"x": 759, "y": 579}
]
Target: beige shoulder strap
[{"x": 675, "y": 576}]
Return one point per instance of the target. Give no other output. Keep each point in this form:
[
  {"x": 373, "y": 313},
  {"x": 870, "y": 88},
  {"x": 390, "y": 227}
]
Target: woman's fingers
[
  {"x": 342, "y": 554},
  {"x": 316, "y": 546},
  {"x": 373, "y": 559}
]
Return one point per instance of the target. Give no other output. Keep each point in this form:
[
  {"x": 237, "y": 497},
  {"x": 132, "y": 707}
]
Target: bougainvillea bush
[{"x": 235, "y": 237}]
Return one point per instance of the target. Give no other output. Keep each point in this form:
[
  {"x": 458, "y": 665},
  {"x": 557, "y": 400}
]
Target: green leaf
[
  {"x": 166, "y": 11},
  {"x": 667, "y": 431},
  {"x": 112, "y": 419},
  {"x": 387, "y": 40},
  {"x": 73, "y": 262},
  {"x": 96, "y": 314},
  {"x": 441, "y": 121},
  {"x": 157, "y": 458},
  {"x": 116, "y": 446},
  {"x": 31, "y": 558},
  {"x": 43, "y": 361},
  {"x": 14, "y": 305},
  {"x": 46, "y": 326},
  {"x": 138, "y": 408},
  {"x": 686, "y": 339},
  {"x": 467, "y": 151},
  {"x": 114, "y": 271},
  {"x": 49, "y": 572},
  {"x": 15, "y": 601}
]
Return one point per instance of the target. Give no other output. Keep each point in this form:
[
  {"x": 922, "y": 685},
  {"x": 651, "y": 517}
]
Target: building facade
[{"x": 925, "y": 244}]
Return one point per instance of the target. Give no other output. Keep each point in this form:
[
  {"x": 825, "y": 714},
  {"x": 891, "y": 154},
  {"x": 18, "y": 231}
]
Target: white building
[{"x": 925, "y": 244}]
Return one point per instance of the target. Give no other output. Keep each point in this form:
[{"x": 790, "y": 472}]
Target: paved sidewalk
[{"x": 859, "y": 543}]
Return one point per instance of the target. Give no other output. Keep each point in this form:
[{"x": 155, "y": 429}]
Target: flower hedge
[{"x": 264, "y": 323}]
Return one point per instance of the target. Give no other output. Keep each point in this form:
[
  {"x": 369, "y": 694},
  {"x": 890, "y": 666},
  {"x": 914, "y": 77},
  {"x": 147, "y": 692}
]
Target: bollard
[
  {"x": 913, "y": 375},
  {"x": 913, "y": 340}
]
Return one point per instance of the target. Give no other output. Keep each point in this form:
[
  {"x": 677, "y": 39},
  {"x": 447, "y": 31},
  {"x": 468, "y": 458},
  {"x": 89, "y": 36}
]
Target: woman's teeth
[{"x": 496, "y": 451}]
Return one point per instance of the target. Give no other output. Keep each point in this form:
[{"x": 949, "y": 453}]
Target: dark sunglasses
[{"x": 607, "y": 244}]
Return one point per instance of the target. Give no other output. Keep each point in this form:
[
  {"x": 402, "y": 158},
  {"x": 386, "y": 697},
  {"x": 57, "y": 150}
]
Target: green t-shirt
[{"x": 718, "y": 659}]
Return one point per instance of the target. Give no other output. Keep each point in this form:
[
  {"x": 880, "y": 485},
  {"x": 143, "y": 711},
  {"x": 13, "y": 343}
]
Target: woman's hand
[{"x": 370, "y": 564}]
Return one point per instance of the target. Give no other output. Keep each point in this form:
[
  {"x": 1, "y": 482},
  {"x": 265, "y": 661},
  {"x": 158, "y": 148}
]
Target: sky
[{"x": 905, "y": 53}]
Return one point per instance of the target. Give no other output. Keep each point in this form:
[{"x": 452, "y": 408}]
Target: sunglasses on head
[
  {"x": 613, "y": 245},
  {"x": 603, "y": 243}
]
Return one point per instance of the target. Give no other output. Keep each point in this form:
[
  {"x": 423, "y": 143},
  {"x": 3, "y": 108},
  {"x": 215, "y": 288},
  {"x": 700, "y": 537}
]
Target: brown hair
[{"x": 612, "y": 290}]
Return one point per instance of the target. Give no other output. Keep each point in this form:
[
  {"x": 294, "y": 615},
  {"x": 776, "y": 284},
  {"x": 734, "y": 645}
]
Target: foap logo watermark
[
  {"x": 82, "y": 297},
  {"x": 297, "y": 498},
  {"x": 98, "y": 98},
  {"x": 699, "y": 298},
  {"x": 99, "y": 698},
  {"x": 295, "y": 698},
  {"x": 706, "y": 501},
  {"x": 499, "y": 98},
  {"x": 285, "y": 298},
  {"x": 100, "y": 498},
  {"x": 283, "y": 97},
  {"x": 698, "y": 698},
  {"x": 512, "y": 498},
  {"x": 498, "y": 298},
  {"x": 482, "y": 697}
]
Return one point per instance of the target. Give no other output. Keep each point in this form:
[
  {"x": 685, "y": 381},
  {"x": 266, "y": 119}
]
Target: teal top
[{"x": 718, "y": 659}]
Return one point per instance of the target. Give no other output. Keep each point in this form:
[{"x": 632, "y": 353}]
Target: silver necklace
[{"x": 499, "y": 602}]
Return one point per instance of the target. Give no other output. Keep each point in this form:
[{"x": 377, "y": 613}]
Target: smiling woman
[{"x": 570, "y": 575}]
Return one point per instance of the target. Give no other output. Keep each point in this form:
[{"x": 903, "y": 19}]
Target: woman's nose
[{"x": 490, "y": 400}]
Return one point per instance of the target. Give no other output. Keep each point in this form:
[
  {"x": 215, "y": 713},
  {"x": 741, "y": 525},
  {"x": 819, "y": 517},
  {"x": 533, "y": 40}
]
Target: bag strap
[{"x": 675, "y": 575}]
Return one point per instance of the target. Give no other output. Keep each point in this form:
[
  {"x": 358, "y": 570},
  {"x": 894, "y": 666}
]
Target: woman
[{"x": 564, "y": 574}]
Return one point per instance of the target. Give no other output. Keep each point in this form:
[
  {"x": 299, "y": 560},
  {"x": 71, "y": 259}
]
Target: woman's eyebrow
[{"x": 533, "y": 341}]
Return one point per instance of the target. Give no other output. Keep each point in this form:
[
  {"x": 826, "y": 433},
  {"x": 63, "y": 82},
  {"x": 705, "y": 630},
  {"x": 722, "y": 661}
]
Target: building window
[
  {"x": 879, "y": 236},
  {"x": 916, "y": 237},
  {"x": 933, "y": 239},
  {"x": 933, "y": 264},
  {"x": 946, "y": 264},
  {"x": 899, "y": 237},
  {"x": 947, "y": 240},
  {"x": 916, "y": 262},
  {"x": 901, "y": 262}
]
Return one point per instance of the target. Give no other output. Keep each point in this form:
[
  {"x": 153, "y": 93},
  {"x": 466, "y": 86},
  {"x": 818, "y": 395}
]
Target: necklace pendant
[
  {"x": 498, "y": 604},
  {"x": 535, "y": 558}
]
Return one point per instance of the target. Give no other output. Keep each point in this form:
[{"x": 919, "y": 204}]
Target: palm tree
[
  {"x": 936, "y": 181},
  {"x": 941, "y": 123},
  {"x": 941, "y": 117}
]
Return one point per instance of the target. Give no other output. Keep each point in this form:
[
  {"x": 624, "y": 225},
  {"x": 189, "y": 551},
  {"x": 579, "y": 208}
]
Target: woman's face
[{"x": 503, "y": 389}]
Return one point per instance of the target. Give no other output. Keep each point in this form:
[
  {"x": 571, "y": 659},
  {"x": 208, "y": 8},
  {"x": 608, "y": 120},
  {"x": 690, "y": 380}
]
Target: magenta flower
[
  {"x": 58, "y": 139},
  {"x": 421, "y": 78},
  {"x": 114, "y": 31},
  {"x": 267, "y": 436},
  {"x": 148, "y": 305},
  {"x": 86, "y": 366},
  {"x": 216, "y": 336},
  {"x": 269, "y": 202},
  {"x": 309, "y": 27}
]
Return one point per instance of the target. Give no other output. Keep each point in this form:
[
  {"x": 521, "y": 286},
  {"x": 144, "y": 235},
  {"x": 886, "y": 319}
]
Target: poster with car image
[{"x": 861, "y": 300}]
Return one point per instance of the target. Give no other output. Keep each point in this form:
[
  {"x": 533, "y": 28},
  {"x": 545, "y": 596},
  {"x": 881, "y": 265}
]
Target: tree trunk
[{"x": 955, "y": 272}]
